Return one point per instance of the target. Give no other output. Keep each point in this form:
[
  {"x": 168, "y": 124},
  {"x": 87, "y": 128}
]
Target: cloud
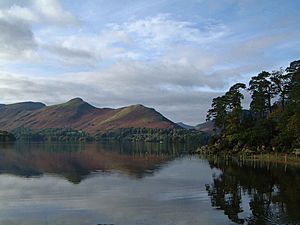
[
  {"x": 86, "y": 47},
  {"x": 16, "y": 12},
  {"x": 142, "y": 39},
  {"x": 39, "y": 11},
  {"x": 69, "y": 55},
  {"x": 17, "y": 40},
  {"x": 51, "y": 11},
  {"x": 17, "y": 37},
  {"x": 161, "y": 31}
]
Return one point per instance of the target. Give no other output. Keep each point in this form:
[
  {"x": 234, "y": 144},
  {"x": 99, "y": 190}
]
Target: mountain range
[{"x": 80, "y": 115}]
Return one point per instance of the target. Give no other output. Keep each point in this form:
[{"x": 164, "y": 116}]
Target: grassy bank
[
  {"x": 277, "y": 158},
  {"x": 281, "y": 158}
]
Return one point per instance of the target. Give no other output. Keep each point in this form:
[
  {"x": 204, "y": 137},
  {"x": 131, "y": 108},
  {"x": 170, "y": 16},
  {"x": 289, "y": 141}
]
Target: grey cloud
[
  {"x": 16, "y": 38},
  {"x": 70, "y": 56},
  {"x": 16, "y": 18},
  {"x": 5, "y": 4}
]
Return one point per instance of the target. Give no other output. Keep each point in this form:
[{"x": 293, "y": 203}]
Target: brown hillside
[{"x": 80, "y": 115}]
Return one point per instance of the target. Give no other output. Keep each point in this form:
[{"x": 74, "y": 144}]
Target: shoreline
[{"x": 281, "y": 158}]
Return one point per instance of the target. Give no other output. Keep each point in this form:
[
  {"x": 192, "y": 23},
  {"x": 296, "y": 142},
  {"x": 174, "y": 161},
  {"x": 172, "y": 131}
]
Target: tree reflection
[
  {"x": 75, "y": 162},
  {"x": 256, "y": 192}
]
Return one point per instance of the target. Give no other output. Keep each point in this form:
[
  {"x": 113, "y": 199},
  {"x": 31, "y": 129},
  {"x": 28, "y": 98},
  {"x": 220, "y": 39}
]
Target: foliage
[
  {"x": 123, "y": 134},
  {"x": 51, "y": 134},
  {"x": 6, "y": 137},
  {"x": 153, "y": 135},
  {"x": 273, "y": 120}
]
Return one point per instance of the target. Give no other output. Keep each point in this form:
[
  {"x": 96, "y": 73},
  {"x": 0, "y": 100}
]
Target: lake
[{"x": 141, "y": 184}]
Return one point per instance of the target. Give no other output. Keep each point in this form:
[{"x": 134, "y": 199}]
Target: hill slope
[
  {"x": 185, "y": 126},
  {"x": 80, "y": 115},
  {"x": 207, "y": 126}
]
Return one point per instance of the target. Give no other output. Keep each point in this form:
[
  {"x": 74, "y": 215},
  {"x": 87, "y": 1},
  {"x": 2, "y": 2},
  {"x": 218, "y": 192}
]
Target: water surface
[{"x": 140, "y": 184}]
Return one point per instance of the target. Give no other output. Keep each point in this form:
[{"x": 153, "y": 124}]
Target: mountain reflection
[
  {"x": 77, "y": 161},
  {"x": 256, "y": 192}
]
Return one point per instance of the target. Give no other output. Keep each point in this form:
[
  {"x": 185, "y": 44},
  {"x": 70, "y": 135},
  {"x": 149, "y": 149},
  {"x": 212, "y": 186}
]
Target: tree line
[
  {"x": 131, "y": 134},
  {"x": 154, "y": 135},
  {"x": 6, "y": 137},
  {"x": 51, "y": 134},
  {"x": 272, "y": 122}
]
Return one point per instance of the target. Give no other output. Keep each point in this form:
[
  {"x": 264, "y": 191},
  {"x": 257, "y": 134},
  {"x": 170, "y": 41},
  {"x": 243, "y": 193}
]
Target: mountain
[
  {"x": 185, "y": 126},
  {"x": 79, "y": 115},
  {"x": 207, "y": 126},
  {"x": 12, "y": 114}
]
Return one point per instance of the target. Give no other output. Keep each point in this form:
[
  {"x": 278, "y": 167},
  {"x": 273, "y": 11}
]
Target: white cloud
[
  {"x": 161, "y": 31},
  {"x": 144, "y": 39},
  {"x": 48, "y": 11},
  {"x": 16, "y": 12},
  {"x": 140, "y": 39},
  {"x": 51, "y": 11}
]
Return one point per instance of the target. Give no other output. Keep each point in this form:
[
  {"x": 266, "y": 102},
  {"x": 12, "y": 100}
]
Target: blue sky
[{"x": 174, "y": 56}]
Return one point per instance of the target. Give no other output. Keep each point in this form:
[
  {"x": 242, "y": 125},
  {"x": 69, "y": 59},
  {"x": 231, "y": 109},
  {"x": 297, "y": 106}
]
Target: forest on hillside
[
  {"x": 272, "y": 122},
  {"x": 156, "y": 135}
]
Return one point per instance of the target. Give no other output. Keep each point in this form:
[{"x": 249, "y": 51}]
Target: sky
[{"x": 172, "y": 55}]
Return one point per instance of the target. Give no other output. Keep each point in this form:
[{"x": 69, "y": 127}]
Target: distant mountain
[
  {"x": 21, "y": 106},
  {"x": 185, "y": 126},
  {"x": 79, "y": 115},
  {"x": 207, "y": 126}
]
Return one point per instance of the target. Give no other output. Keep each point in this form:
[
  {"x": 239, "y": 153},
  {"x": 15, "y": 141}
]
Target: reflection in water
[
  {"x": 256, "y": 192},
  {"x": 140, "y": 184},
  {"x": 125, "y": 194},
  {"x": 77, "y": 161}
]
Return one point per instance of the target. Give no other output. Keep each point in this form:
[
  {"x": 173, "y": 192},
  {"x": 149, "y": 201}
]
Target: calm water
[{"x": 140, "y": 185}]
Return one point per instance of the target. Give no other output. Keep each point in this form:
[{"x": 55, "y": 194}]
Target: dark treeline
[
  {"x": 51, "y": 134},
  {"x": 6, "y": 137},
  {"x": 154, "y": 135},
  {"x": 122, "y": 134},
  {"x": 272, "y": 122}
]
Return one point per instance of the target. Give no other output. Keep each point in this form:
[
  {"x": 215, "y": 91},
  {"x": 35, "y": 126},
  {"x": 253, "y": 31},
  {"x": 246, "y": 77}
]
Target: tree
[
  {"x": 262, "y": 93},
  {"x": 266, "y": 125},
  {"x": 234, "y": 98},
  {"x": 281, "y": 85},
  {"x": 294, "y": 88},
  {"x": 218, "y": 111},
  {"x": 290, "y": 121}
]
